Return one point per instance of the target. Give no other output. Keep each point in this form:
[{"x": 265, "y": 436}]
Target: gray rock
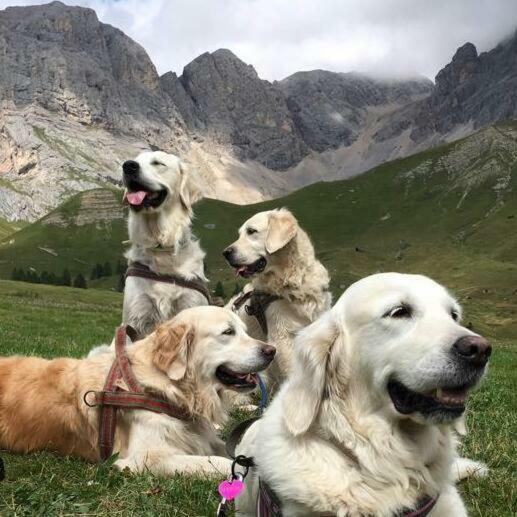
[
  {"x": 330, "y": 109},
  {"x": 471, "y": 91},
  {"x": 240, "y": 109},
  {"x": 77, "y": 97}
]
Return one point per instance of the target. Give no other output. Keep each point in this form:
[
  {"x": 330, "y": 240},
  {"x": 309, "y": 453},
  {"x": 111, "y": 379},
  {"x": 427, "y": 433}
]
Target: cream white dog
[
  {"x": 160, "y": 192},
  {"x": 363, "y": 425},
  {"x": 279, "y": 258},
  {"x": 190, "y": 361}
]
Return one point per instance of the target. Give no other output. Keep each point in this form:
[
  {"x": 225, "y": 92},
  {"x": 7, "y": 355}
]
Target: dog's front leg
[
  {"x": 164, "y": 462},
  {"x": 449, "y": 504}
]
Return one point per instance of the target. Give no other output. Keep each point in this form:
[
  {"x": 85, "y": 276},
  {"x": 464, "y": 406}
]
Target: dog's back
[{"x": 39, "y": 407}]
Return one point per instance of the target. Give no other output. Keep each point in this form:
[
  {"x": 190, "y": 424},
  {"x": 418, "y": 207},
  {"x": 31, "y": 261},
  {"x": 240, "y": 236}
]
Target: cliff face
[
  {"x": 78, "y": 97},
  {"x": 471, "y": 92}
]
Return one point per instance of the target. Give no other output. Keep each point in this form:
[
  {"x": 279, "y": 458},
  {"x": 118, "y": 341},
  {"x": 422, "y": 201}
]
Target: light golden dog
[
  {"x": 189, "y": 361},
  {"x": 364, "y": 423},
  {"x": 160, "y": 191},
  {"x": 278, "y": 257}
]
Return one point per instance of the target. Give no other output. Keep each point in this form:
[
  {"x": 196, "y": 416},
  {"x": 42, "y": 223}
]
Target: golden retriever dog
[
  {"x": 191, "y": 361},
  {"x": 363, "y": 425},
  {"x": 160, "y": 191},
  {"x": 277, "y": 255}
]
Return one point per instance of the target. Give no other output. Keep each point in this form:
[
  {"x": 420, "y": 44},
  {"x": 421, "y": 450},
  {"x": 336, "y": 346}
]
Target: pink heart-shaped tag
[{"x": 230, "y": 489}]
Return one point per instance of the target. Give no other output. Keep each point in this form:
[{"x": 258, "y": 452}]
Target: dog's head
[
  {"x": 210, "y": 346},
  {"x": 397, "y": 341},
  {"x": 260, "y": 238},
  {"x": 155, "y": 179}
]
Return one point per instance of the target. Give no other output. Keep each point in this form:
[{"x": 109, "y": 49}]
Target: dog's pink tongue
[
  {"x": 136, "y": 198},
  {"x": 240, "y": 269}
]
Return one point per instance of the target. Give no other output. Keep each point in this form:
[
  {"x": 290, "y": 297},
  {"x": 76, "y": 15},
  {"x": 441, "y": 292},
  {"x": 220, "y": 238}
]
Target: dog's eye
[
  {"x": 154, "y": 162},
  {"x": 401, "y": 311},
  {"x": 229, "y": 332},
  {"x": 455, "y": 315},
  {"x": 251, "y": 231}
]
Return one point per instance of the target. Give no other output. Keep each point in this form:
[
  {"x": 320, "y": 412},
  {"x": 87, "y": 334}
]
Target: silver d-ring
[{"x": 85, "y": 401}]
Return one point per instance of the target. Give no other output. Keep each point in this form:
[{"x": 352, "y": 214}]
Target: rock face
[
  {"x": 330, "y": 109},
  {"x": 64, "y": 60},
  {"x": 78, "y": 97},
  {"x": 471, "y": 92},
  {"x": 241, "y": 109}
]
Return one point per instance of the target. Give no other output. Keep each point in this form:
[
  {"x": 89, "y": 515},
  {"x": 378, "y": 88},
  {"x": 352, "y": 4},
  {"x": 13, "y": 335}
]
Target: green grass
[
  {"x": 52, "y": 321},
  {"x": 459, "y": 229},
  {"x": 55, "y": 321}
]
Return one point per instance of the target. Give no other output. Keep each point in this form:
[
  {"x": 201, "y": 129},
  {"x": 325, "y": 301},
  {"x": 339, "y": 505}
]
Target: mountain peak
[{"x": 465, "y": 53}]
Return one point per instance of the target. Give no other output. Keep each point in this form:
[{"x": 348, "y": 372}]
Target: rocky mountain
[
  {"x": 77, "y": 97},
  {"x": 471, "y": 92}
]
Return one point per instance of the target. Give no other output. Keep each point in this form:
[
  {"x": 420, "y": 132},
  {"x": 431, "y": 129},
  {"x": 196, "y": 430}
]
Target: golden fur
[{"x": 42, "y": 406}]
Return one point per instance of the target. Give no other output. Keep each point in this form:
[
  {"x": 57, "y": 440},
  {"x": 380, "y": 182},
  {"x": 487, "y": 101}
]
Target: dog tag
[{"x": 229, "y": 490}]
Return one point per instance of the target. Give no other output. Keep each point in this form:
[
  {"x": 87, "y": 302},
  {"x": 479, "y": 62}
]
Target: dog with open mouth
[
  {"x": 364, "y": 423},
  {"x": 192, "y": 362},
  {"x": 288, "y": 285},
  {"x": 160, "y": 193}
]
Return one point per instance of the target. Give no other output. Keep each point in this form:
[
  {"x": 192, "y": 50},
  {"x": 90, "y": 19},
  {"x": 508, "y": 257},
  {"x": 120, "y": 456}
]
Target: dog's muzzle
[
  {"x": 244, "y": 270},
  {"x": 139, "y": 195},
  {"x": 469, "y": 356},
  {"x": 245, "y": 380}
]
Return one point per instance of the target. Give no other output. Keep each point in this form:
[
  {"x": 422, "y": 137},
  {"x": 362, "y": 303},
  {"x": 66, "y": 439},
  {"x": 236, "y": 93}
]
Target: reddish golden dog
[{"x": 190, "y": 361}]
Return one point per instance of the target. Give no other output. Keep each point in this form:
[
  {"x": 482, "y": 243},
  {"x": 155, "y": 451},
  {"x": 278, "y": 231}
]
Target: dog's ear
[
  {"x": 171, "y": 349},
  {"x": 190, "y": 189},
  {"x": 281, "y": 230},
  {"x": 306, "y": 385}
]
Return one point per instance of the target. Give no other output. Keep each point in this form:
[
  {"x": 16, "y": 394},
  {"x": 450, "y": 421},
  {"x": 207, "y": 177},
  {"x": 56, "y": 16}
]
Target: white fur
[
  {"x": 332, "y": 442},
  {"x": 292, "y": 272},
  {"x": 147, "y": 303},
  {"x": 161, "y": 239}
]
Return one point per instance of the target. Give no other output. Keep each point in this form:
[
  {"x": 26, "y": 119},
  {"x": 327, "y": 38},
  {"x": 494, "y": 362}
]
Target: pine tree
[
  {"x": 93, "y": 274},
  {"x": 121, "y": 267},
  {"x": 219, "y": 289},
  {"x": 107, "y": 269},
  {"x": 99, "y": 270},
  {"x": 15, "y": 275},
  {"x": 237, "y": 289},
  {"x": 121, "y": 283},
  {"x": 80, "y": 282},
  {"x": 52, "y": 280},
  {"x": 66, "y": 278},
  {"x": 44, "y": 277}
]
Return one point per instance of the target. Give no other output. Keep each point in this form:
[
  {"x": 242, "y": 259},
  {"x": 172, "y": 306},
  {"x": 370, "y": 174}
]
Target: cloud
[{"x": 280, "y": 37}]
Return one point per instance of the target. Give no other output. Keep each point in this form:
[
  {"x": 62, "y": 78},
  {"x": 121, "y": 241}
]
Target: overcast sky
[{"x": 279, "y": 37}]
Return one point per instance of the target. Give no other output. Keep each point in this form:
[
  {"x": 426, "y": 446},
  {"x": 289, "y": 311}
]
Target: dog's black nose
[
  {"x": 268, "y": 351},
  {"x": 130, "y": 167},
  {"x": 474, "y": 349},
  {"x": 228, "y": 252}
]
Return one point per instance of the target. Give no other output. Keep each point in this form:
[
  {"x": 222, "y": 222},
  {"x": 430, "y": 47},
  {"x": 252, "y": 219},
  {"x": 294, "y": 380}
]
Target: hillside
[
  {"x": 78, "y": 97},
  {"x": 450, "y": 212}
]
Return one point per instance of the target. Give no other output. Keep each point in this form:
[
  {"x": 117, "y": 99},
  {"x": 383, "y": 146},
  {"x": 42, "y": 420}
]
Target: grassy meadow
[
  {"x": 51, "y": 321},
  {"x": 410, "y": 215}
]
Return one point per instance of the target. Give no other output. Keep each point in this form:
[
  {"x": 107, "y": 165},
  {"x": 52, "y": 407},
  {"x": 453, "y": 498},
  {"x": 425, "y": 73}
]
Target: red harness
[{"x": 113, "y": 397}]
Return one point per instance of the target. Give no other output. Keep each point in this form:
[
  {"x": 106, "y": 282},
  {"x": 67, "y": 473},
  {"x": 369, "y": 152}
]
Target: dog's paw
[
  {"x": 464, "y": 468},
  {"x": 248, "y": 407}
]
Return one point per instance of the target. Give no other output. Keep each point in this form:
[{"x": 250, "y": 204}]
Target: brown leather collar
[
  {"x": 141, "y": 270},
  {"x": 113, "y": 397}
]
